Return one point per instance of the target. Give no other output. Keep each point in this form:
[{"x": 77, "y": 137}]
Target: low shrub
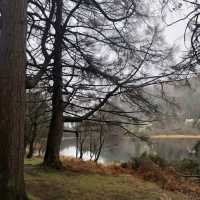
[
  {"x": 136, "y": 161},
  {"x": 187, "y": 166}
]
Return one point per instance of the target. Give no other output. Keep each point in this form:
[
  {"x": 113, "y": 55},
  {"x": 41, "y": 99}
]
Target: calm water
[{"x": 124, "y": 148}]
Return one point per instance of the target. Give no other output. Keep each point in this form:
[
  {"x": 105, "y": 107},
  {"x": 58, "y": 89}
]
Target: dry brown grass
[
  {"x": 78, "y": 165},
  {"x": 167, "y": 179},
  {"x": 48, "y": 184}
]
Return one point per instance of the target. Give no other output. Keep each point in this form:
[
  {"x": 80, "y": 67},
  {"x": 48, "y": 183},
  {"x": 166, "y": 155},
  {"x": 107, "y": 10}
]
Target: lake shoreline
[{"x": 165, "y": 136}]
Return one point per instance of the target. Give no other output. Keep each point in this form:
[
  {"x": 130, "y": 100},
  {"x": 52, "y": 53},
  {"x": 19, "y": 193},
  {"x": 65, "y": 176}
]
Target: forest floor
[{"x": 87, "y": 182}]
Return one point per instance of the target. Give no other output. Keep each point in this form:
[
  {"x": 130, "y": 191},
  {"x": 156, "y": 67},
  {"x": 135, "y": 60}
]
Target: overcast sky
[{"x": 175, "y": 33}]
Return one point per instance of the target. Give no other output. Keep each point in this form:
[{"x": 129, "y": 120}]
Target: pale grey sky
[{"x": 175, "y": 33}]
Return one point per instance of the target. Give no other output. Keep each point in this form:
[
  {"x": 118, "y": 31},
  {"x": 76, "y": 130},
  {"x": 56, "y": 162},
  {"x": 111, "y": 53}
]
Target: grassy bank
[{"x": 46, "y": 184}]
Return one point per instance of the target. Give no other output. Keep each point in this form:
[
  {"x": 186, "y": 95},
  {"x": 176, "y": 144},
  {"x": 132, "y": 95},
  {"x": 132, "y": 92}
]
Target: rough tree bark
[
  {"x": 55, "y": 134},
  {"x": 12, "y": 98}
]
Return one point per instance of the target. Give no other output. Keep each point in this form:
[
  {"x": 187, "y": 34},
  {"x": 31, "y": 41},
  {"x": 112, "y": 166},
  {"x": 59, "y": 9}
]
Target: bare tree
[
  {"x": 91, "y": 52},
  {"x": 37, "y": 120}
]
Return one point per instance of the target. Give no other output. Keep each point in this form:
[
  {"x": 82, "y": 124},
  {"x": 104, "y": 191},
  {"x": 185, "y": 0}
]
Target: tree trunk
[
  {"x": 31, "y": 144},
  {"x": 81, "y": 149},
  {"x": 55, "y": 134},
  {"x": 77, "y": 142},
  {"x": 31, "y": 150},
  {"x": 12, "y": 99},
  {"x": 101, "y": 142}
]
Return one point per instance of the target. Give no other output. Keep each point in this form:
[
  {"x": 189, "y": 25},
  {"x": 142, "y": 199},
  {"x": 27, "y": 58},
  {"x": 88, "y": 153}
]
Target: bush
[
  {"x": 158, "y": 160},
  {"x": 188, "y": 166},
  {"x": 154, "y": 158},
  {"x": 135, "y": 163}
]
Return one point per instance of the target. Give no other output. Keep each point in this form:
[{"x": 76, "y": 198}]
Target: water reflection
[
  {"x": 124, "y": 148},
  {"x": 71, "y": 151},
  {"x": 115, "y": 149}
]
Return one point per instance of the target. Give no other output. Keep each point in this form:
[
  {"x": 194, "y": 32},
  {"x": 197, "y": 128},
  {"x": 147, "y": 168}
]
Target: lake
[{"x": 123, "y": 148}]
